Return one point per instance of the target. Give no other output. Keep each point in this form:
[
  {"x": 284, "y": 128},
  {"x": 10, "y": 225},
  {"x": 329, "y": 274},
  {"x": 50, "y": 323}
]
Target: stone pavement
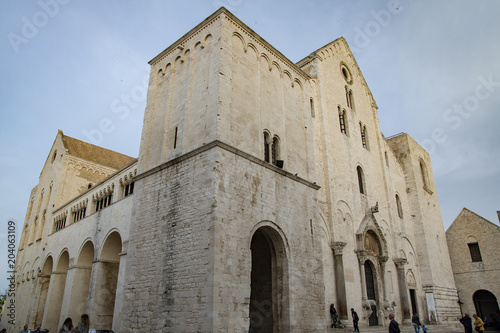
[{"x": 404, "y": 329}]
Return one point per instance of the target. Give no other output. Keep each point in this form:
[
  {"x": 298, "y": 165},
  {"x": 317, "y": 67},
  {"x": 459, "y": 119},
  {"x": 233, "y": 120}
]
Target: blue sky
[{"x": 433, "y": 68}]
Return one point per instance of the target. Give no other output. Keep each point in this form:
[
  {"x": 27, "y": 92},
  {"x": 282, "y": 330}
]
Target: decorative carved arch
[
  {"x": 278, "y": 67},
  {"x": 370, "y": 224},
  {"x": 299, "y": 83},
  {"x": 254, "y": 48},
  {"x": 287, "y": 73},
  {"x": 240, "y": 37},
  {"x": 263, "y": 55},
  {"x": 206, "y": 40}
]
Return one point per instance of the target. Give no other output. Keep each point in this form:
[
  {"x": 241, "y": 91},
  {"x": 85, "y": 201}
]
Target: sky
[{"x": 433, "y": 68}]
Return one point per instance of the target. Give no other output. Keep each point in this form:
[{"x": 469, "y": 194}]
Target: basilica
[{"x": 264, "y": 191}]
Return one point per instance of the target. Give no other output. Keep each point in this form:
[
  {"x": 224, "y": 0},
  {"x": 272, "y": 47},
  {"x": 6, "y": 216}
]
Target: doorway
[
  {"x": 413, "y": 299},
  {"x": 371, "y": 294},
  {"x": 486, "y": 305},
  {"x": 268, "y": 282}
]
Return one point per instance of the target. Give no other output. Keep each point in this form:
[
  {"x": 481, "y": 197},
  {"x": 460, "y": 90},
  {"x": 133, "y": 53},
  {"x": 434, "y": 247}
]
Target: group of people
[
  {"x": 393, "y": 325},
  {"x": 82, "y": 327},
  {"x": 467, "y": 322},
  {"x": 67, "y": 327}
]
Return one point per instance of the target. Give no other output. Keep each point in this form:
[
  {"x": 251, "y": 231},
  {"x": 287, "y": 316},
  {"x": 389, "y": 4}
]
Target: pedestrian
[
  {"x": 393, "y": 325},
  {"x": 24, "y": 330},
  {"x": 424, "y": 329},
  {"x": 355, "y": 320},
  {"x": 67, "y": 327},
  {"x": 478, "y": 323},
  {"x": 37, "y": 330},
  {"x": 416, "y": 322},
  {"x": 467, "y": 322},
  {"x": 84, "y": 324},
  {"x": 333, "y": 314}
]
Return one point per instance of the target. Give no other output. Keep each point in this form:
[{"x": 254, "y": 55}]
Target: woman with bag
[{"x": 478, "y": 324}]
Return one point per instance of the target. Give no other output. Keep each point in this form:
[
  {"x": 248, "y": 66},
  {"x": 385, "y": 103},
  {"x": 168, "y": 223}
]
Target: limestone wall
[{"x": 471, "y": 276}]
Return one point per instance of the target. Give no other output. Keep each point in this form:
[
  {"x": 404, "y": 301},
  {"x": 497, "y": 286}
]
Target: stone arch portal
[
  {"x": 371, "y": 249},
  {"x": 486, "y": 304},
  {"x": 269, "y": 282}
]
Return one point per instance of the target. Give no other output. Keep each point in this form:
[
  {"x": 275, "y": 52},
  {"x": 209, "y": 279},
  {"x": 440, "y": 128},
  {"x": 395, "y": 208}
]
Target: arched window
[
  {"x": 361, "y": 180},
  {"x": 342, "y": 121},
  {"x": 275, "y": 150},
  {"x": 350, "y": 100},
  {"x": 313, "y": 113},
  {"x": 398, "y": 205},
  {"x": 267, "y": 144},
  {"x": 272, "y": 152}
]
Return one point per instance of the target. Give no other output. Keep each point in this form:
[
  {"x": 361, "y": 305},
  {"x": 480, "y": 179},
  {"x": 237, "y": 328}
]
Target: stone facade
[
  {"x": 264, "y": 190},
  {"x": 475, "y": 258}
]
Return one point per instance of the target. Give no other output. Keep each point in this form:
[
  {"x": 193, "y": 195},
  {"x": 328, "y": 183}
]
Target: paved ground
[{"x": 406, "y": 329}]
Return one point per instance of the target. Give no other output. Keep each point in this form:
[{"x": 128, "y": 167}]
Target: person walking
[
  {"x": 416, "y": 322},
  {"x": 478, "y": 323},
  {"x": 84, "y": 324},
  {"x": 355, "y": 320},
  {"x": 393, "y": 325},
  {"x": 333, "y": 314},
  {"x": 24, "y": 330},
  {"x": 467, "y": 322}
]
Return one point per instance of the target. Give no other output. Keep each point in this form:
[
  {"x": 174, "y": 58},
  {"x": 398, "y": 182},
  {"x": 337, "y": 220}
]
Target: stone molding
[{"x": 236, "y": 151}]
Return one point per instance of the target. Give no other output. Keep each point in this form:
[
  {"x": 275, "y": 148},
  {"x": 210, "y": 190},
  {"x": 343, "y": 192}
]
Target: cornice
[
  {"x": 267, "y": 46},
  {"x": 236, "y": 151},
  {"x": 190, "y": 34}
]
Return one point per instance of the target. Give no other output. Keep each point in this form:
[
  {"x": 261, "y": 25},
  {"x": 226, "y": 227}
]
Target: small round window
[
  {"x": 54, "y": 156},
  {"x": 346, "y": 73}
]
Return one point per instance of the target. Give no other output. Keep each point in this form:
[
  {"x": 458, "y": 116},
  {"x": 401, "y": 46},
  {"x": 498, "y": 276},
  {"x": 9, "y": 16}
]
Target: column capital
[
  {"x": 338, "y": 247},
  {"x": 362, "y": 256},
  {"x": 383, "y": 259},
  {"x": 400, "y": 262}
]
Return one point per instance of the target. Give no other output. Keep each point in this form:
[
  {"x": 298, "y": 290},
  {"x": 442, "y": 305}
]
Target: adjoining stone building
[
  {"x": 475, "y": 258},
  {"x": 264, "y": 190}
]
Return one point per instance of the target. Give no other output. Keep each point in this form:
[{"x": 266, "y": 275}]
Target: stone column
[
  {"x": 382, "y": 260},
  {"x": 364, "y": 296},
  {"x": 403, "y": 290},
  {"x": 341, "y": 305},
  {"x": 120, "y": 291}
]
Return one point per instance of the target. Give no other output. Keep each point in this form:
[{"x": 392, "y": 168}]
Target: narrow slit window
[
  {"x": 361, "y": 180},
  {"x": 175, "y": 138}
]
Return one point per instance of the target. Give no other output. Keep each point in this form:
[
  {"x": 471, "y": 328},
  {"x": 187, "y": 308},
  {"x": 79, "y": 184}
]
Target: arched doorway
[
  {"x": 486, "y": 304},
  {"x": 371, "y": 291},
  {"x": 268, "y": 283}
]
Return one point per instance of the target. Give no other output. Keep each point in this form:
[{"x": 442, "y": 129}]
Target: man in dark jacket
[
  {"x": 416, "y": 322},
  {"x": 355, "y": 320},
  {"x": 467, "y": 322},
  {"x": 393, "y": 326},
  {"x": 333, "y": 314}
]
